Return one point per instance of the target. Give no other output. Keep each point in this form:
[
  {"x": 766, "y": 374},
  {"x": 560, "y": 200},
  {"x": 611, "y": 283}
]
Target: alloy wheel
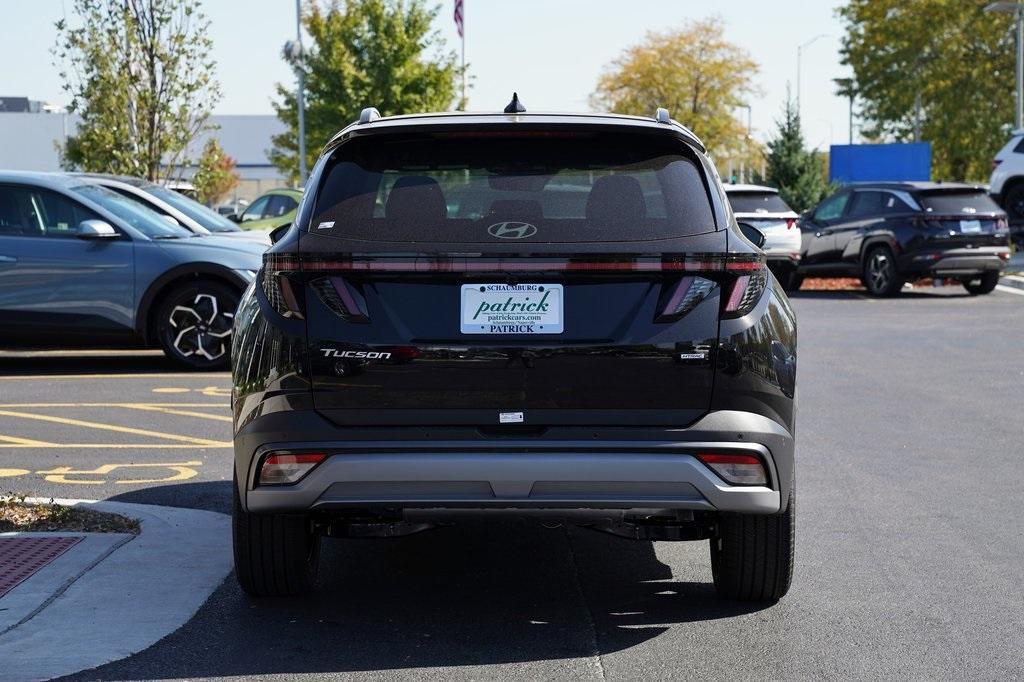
[
  {"x": 880, "y": 271},
  {"x": 202, "y": 328}
]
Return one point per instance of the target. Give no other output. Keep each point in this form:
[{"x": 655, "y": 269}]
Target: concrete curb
[{"x": 124, "y": 601}]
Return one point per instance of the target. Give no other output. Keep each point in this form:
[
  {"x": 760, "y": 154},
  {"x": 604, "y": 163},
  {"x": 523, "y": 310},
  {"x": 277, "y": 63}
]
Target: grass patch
[{"x": 18, "y": 515}]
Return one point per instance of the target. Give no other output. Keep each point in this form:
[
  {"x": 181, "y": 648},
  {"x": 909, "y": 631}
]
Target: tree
[
  {"x": 943, "y": 67},
  {"x": 215, "y": 175},
  {"x": 140, "y": 75},
  {"x": 380, "y": 53},
  {"x": 799, "y": 174},
  {"x": 694, "y": 72}
]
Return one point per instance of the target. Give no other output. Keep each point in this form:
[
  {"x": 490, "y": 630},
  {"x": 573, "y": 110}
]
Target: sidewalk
[{"x": 100, "y": 597}]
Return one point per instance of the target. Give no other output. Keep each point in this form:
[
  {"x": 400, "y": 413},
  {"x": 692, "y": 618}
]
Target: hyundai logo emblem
[{"x": 512, "y": 230}]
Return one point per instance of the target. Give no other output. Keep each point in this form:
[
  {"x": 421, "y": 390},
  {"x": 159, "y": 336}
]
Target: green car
[{"x": 271, "y": 210}]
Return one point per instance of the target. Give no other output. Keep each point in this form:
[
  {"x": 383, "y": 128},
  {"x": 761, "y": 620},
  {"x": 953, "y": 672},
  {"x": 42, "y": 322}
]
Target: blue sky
[{"x": 551, "y": 51}]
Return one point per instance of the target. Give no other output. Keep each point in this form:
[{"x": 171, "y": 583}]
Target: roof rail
[
  {"x": 662, "y": 116},
  {"x": 368, "y": 115}
]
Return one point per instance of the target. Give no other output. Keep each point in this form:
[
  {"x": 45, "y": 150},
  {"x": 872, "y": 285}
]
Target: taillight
[
  {"x": 995, "y": 163},
  {"x": 281, "y": 292},
  {"x": 790, "y": 223},
  {"x": 684, "y": 297},
  {"x": 342, "y": 298},
  {"x": 284, "y": 468},
  {"x": 737, "y": 469},
  {"x": 745, "y": 291}
]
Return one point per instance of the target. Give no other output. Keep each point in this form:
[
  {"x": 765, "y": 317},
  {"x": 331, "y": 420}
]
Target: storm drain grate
[{"x": 21, "y": 557}]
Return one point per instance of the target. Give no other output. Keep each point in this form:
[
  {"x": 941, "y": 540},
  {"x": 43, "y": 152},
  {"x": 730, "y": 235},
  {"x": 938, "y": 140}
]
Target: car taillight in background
[
  {"x": 790, "y": 223},
  {"x": 284, "y": 468},
  {"x": 735, "y": 468}
]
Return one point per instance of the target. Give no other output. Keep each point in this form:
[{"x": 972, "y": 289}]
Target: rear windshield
[
  {"x": 959, "y": 202},
  {"x": 757, "y": 202},
  {"x": 538, "y": 187}
]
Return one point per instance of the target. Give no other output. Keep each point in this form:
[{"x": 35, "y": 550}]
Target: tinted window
[
  {"x": 867, "y": 204},
  {"x": 278, "y": 205},
  {"x": 1019, "y": 149},
  {"x": 464, "y": 187},
  {"x": 959, "y": 202},
  {"x": 757, "y": 202},
  {"x": 29, "y": 211},
  {"x": 831, "y": 208},
  {"x": 255, "y": 210},
  {"x": 143, "y": 219}
]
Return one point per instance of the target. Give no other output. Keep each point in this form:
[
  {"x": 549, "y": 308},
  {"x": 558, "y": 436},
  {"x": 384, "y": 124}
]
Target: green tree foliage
[
  {"x": 958, "y": 59},
  {"x": 694, "y": 72},
  {"x": 215, "y": 176},
  {"x": 140, "y": 75},
  {"x": 798, "y": 173},
  {"x": 380, "y": 53}
]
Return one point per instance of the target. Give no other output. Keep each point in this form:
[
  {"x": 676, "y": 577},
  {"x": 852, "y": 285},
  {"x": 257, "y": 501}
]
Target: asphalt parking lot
[{"x": 910, "y": 538}]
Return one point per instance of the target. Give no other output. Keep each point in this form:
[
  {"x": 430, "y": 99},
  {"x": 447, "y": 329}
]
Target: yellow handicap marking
[
  {"x": 212, "y": 391},
  {"x": 182, "y": 471},
  {"x": 13, "y": 472},
  {"x": 22, "y": 441},
  {"x": 171, "y": 389}
]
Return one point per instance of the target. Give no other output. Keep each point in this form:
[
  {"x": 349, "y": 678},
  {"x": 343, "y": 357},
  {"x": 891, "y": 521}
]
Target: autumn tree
[
  {"x": 215, "y": 175},
  {"x": 380, "y": 53},
  {"x": 140, "y": 75},
  {"x": 694, "y": 72},
  {"x": 946, "y": 67}
]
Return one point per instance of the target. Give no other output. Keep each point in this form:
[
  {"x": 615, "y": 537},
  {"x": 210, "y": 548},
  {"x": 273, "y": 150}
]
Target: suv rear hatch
[
  {"x": 961, "y": 217},
  {"x": 530, "y": 277}
]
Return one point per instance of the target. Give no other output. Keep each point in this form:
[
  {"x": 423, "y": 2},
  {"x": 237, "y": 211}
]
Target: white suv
[
  {"x": 763, "y": 208},
  {"x": 1007, "y": 182}
]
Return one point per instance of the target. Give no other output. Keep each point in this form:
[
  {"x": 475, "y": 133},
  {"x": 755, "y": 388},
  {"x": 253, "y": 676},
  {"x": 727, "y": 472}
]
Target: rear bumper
[
  {"x": 528, "y": 474},
  {"x": 964, "y": 262}
]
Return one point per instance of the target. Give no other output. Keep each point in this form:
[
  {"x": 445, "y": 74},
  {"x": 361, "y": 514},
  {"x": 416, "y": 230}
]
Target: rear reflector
[
  {"x": 736, "y": 469},
  {"x": 286, "y": 468}
]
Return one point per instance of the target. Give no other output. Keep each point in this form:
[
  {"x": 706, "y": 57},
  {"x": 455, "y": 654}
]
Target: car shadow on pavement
[
  {"x": 77, "y": 362},
  {"x": 473, "y": 594}
]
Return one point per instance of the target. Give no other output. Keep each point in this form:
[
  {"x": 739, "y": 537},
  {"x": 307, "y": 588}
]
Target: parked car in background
[
  {"x": 889, "y": 232},
  {"x": 1007, "y": 184},
  {"x": 763, "y": 208},
  {"x": 549, "y": 317},
  {"x": 81, "y": 265},
  {"x": 231, "y": 208},
  {"x": 271, "y": 210},
  {"x": 187, "y": 212},
  {"x": 183, "y": 187}
]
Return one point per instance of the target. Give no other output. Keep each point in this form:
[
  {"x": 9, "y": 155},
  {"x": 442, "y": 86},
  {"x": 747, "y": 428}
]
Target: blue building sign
[{"x": 875, "y": 162}]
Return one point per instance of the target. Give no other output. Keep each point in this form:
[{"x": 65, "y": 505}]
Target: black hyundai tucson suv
[
  {"x": 544, "y": 316},
  {"x": 890, "y": 232}
]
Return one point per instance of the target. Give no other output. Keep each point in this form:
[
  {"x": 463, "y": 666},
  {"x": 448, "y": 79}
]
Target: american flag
[{"x": 458, "y": 17}]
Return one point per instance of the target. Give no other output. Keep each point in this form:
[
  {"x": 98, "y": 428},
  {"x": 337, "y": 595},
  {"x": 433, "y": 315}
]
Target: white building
[{"x": 32, "y": 141}]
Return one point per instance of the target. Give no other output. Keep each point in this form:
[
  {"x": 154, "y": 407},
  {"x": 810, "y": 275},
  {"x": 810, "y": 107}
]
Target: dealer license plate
[{"x": 511, "y": 309}]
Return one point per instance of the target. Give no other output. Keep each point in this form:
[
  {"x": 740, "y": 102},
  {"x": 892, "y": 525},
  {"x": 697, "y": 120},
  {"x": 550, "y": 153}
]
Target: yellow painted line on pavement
[
  {"x": 120, "y": 446},
  {"x": 22, "y": 441},
  {"x": 154, "y": 375},
  {"x": 146, "y": 404},
  {"x": 105, "y": 427},
  {"x": 183, "y": 413}
]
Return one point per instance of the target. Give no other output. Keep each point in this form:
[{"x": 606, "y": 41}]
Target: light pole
[
  {"x": 750, "y": 130},
  {"x": 799, "y": 56},
  {"x": 1016, "y": 8},
  {"x": 293, "y": 53}
]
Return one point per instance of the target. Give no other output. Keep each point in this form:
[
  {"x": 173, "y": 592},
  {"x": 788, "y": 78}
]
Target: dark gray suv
[{"x": 545, "y": 316}]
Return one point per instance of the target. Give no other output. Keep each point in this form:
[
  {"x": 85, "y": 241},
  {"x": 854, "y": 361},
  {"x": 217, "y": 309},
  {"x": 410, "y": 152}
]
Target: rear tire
[
  {"x": 1013, "y": 201},
  {"x": 987, "y": 285},
  {"x": 276, "y": 555},
  {"x": 879, "y": 272},
  {"x": 752, "y": 554}
]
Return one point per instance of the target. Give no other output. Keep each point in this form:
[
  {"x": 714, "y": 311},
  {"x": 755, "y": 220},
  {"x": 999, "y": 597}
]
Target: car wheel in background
[
  {"x": 1013, "y": 201},
  {"x": 194, "y": 324},
  {"x": 752, "y": 554},
  {"x": 879, "y": 275},
  {"x": 985, "y": 284},
  {"x": 276, "y": 555}
]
